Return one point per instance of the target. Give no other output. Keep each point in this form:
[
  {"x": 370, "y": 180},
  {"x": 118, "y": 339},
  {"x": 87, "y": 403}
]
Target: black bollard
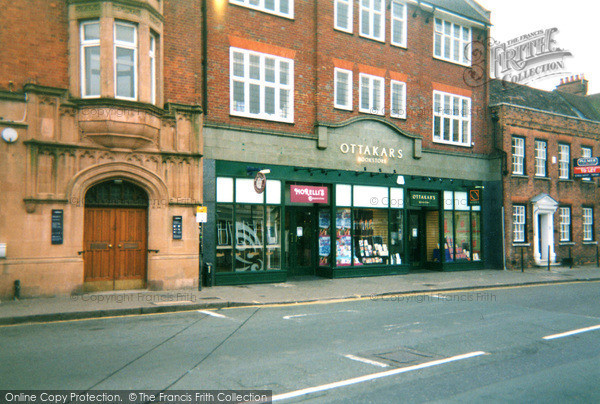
[{"x": 17, "y": 289}]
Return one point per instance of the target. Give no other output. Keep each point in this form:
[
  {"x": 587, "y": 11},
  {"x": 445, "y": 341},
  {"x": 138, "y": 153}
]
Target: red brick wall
[
  {"x": 182, "y": 51},
  {"x": 575, "y": 193},
  {"x": 33, "y": 43}
]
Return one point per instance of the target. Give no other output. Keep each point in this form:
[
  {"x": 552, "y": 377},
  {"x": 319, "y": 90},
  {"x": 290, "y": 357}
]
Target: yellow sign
[{"x": 201, "y": 214}]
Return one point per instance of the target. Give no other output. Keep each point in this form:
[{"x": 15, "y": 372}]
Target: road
[{"x": 449, "y": 347}]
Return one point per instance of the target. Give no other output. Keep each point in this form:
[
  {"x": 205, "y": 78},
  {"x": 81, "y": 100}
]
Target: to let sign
[
  {"x": 586, "y": 167},
  {"x": 308, "y": 194}
]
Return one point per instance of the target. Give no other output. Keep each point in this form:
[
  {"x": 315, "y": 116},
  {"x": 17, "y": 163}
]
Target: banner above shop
[
  {"x": 424, "y": 199},
  {"x": 308, "y": 194}
]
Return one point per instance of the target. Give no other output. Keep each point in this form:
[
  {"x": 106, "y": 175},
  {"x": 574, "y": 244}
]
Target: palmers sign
[{"x": 371, "y": 154}]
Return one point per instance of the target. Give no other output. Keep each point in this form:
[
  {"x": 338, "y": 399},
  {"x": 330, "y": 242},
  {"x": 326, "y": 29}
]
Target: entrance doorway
[
  {"x": 115, "y": 236},
  {"x": 301, "y": 240},
  {"x": 423, "y": 237}
]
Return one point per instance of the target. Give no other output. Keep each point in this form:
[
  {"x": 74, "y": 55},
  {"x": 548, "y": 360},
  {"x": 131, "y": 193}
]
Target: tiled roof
[{"x": 466, "y": 8}]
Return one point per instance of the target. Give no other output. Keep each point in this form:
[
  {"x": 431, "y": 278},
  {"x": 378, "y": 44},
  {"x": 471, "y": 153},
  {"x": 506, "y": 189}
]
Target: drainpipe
[
  {"x": 495, "y": 118},
  {"x": 204, "y": 58}
]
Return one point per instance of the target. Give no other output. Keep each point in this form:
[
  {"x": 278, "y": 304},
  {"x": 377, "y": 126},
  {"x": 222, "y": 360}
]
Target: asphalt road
[{"x": 451, "y": 347}]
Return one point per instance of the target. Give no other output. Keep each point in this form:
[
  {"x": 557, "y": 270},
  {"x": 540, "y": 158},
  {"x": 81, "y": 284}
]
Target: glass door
[{"x": 301, "y": 238}]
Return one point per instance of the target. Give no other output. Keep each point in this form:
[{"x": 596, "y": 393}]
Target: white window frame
[
  {"x": 519, "y": 223},
  {"x": 564, "y": 214},
  {"x": 396, "y": 20},
  {"x": 451, "y": 41},
  {"x": 83, "y": 45},
  {"x": 456, "y": 116},
  {"x": 349, "y": 20},
  {"x": 347, "y": 103},
  {"x": 564, "y": 161},
  {"x": 541, "y": 158},
  {"x": 588, "y": 224},
  {"x": 586, "y": 152},
  {"x": 153, "y": 75},
  {"x": 261, "y": 6},
  {"x": 518, "y": 155},
  {"x": 126, "y": 45},
  {"x": 398, "y": 88},
  {"x": 373, "y": 81},
  {"x": 278, "y": 116},
  {"x": 367, "y": 9}
]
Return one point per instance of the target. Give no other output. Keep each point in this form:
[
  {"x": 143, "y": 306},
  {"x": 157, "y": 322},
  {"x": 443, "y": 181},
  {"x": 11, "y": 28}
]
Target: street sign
[{"x": 201, "y": 214}]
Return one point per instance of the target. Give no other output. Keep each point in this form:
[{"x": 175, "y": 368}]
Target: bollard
[
  {"x": 522, "y": 263},
  {"x": 548, "y": 257},
  {"x": 597, "y": 257},
  {"x": 570, "y": 259},
  {"x": 17, "y": 289}
]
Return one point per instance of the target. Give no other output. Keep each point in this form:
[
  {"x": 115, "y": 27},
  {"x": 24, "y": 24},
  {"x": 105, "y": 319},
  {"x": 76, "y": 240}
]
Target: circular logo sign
[{"x": 260, "y": 182}]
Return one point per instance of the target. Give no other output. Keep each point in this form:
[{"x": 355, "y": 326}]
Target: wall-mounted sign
[
  {"x": 475, "y": 197},
  {"x": 423, "y": 199},
  {"x": 371, "y": 154},
  {"x": 57, "y": 226},
  {"x": 586, "y": 167},
  {"x": 308, "y": 194},
  {"x": 260, "y": 182},
  {"x": 177, "y": 227},
  {"x": 201, "y": 214}
]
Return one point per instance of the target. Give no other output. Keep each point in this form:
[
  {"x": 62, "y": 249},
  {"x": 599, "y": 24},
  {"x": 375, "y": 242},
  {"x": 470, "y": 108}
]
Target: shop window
[
  {"x": 463, "y": 242},
  {"x": 432, "y": 229},
  {"x": 370, "y": 236},
  {"x": 476, "y": 235},
  {"x": 224, "y": 189},
  {"x": 245, "y": 193},
  {"x": 324, "y": 237},
  {"x": 449, "y": 236},
  {"x": 249, "y": 234},
  {"x": 273, "y": 253},
  {"x": 370, "y": 197},
  {"x": 343, "y": 195},
  {"x": 343, "y": 237},
  {"x": 396, "y": 237},
  {"x": 462, "y": 228},
  {"x": 224, "y": 256}
]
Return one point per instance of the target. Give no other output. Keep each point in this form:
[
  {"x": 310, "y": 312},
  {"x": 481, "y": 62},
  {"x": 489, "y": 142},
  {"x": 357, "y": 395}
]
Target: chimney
[{"x": 577, "y": 85}]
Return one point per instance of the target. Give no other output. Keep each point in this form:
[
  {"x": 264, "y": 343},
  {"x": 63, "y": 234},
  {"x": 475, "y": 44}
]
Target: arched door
[{"x": 115, "y": 236}]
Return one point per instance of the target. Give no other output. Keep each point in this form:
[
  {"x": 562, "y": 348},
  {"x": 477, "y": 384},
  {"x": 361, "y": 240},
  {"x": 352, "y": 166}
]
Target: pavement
[{"x": 295, "y": 291}]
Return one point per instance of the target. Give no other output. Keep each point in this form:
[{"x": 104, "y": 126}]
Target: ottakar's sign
[{"x": 371, "y": 154}]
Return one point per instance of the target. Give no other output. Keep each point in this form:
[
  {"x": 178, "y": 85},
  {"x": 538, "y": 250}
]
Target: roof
[
  {"x": 555, "y": 102},
  {"x": 466, "y": 8}
]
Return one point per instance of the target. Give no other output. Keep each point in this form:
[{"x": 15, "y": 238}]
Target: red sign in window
[{"x": 308, "y": 194}]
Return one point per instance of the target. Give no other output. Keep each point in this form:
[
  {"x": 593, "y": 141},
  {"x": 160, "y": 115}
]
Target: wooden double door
[{"x": 116, "y": 252}]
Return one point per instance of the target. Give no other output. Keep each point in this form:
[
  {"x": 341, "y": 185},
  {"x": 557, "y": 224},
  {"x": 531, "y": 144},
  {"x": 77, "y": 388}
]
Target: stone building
[
  {"x": 549, "y": 213},
  {"x": 102, "y": 145}
]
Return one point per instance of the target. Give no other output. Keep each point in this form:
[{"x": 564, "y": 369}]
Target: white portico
[{"x": 544, "y": 207}]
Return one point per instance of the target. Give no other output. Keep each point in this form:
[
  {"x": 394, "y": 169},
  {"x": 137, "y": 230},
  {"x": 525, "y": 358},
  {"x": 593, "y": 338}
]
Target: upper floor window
[
  {"x": 284, "y": 8},
  {"x": 564, "y": 161},
  {"x": 125, "y": 43},
  {"x": 565, "y": 223},
  {"x": 518, "y": 155},
  {"x": 451, "y": 42},
  {"x": 343, "y": 15},
  {"x": 372, "y": 19},
  {"x": 152, "y": 56},
  {"x": 519, "y": 223},
  {"x": 588, "y": 224},
  {"x": 371, "y": 94},
  {"x": 398, "y": 23},
  {"x": 90, "y": 58},
  {"x": 451, "y": 119},
  {"x": 586, "y": 152},
  {"x": 261, "y": 86},
  {"x": 343, "y": 89},
  {"x": 540, "y": 157},
  {"x": 397, "y": 99}
]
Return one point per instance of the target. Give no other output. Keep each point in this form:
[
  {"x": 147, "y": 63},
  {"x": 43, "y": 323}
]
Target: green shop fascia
[{"x": 336, "y": 223}]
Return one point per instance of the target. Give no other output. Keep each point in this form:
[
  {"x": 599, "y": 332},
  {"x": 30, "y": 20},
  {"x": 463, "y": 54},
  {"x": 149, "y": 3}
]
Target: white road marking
[
  {"x": 294, "y": 316},
  {"x": 373, "y": 376},
  {"x": 212, "y": 313},
  {"x": 368, "y": 361},
  {"x": 317, "y": 314},
  {"x": 569, "y": 333}
]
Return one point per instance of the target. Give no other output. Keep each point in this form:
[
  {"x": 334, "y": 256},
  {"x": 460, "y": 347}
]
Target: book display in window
[
  {"x": 324, "y": 238},
  {"x": 343, "y": 238},
  {"x": 370, "y": 231}
]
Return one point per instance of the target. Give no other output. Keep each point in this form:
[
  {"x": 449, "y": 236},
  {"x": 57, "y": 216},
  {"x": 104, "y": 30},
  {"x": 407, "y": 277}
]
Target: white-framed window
[
  {"x": 397, "y": 99},
  {"x": 261, "y": 86},
  {"x": 372, "y": 19},
  {"x": 398, "y": 23},
  {"x": 518, "y": 155},
  {"x": 519, "y": 223},
  {"x": 451, "y": 119},
  {"x": 371, "y": 94},
  {"x": 152, "y": 57},
  {"x": 586, "y": 152},
  {"x": 452, "y": 42},
  {"x": 283, "y": 8},
  {"x": 564, "y": 214},
  {"x": 588, "y": 224},
  {"x": 564, "y": 161},
  {"x": 343, "y": 88},
  {"x": 90, "y": 58},
  {"x": 343, "y": 15},
  {"x": 540, "y": 157},
  {"x": 125, "y": 44}
]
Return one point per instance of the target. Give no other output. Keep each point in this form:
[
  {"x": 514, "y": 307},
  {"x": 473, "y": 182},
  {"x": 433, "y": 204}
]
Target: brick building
[
  {"x": 370, "y": 130},
  {"x": 101, "y": 149},
  {"x": 549, "y": 213}
]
